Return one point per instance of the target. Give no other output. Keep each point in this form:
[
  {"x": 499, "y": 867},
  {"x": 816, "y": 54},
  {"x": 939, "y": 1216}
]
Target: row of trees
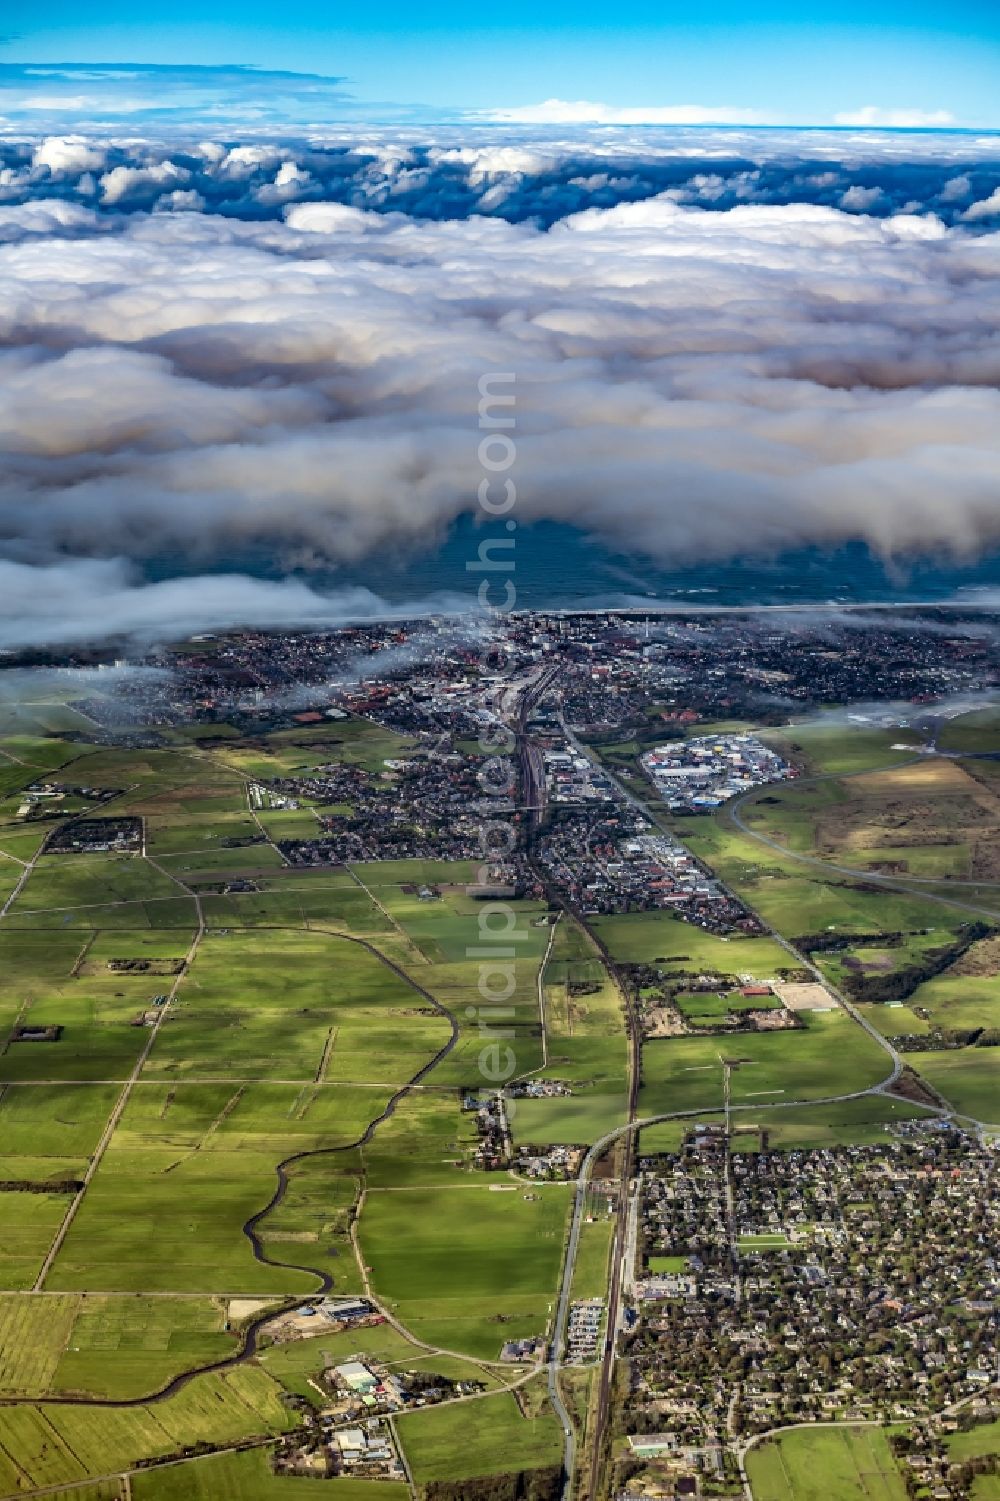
[
  {"x": 544, "y": 1484},
  {"x": 898, "y": 984}
]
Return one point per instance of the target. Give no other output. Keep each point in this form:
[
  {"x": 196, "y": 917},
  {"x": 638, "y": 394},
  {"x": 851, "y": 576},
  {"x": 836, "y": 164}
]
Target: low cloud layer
[
  {"x": 517, "y": 172},
  {"x": 87, "y": 600},
  {"x": 276, "y": 347}
]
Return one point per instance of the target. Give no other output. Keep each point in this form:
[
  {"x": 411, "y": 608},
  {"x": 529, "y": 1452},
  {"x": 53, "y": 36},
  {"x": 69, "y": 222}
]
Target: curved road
[{"x": 732, "y": 811}]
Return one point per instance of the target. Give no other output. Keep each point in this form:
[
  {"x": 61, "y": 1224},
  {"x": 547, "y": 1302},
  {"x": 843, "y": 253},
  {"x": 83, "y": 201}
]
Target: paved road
[
  {"x": 733, "y": 812},
  {"x": 565, "y": 1291},
  {"x": 534, "y": 790},
  {"x": 802, "y": 960},
  {"x": 620, "y": 1249}
]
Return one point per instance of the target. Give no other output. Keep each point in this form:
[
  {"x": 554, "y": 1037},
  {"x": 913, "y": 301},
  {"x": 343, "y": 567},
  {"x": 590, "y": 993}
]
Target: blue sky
[{"x": 775, "y": 61}]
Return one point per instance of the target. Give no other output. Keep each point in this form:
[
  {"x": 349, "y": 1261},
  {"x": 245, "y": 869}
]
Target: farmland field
[
  {"x": 968, "y": 1078},
  {"x": 248, "y": 1477},
  {"x": 105, "y": 1345},
  {"x": 46, "y": 1444},
  {"x": 463, "y": 1442},
  {"x": 202, "y": 1014},
  {"x": 28, "y": 1222},
  {"x": 658, "y": 938},
  {"x": 829, "y": 1464},
  {"x": 830, "y": 1056},
  {"x": 231, "y": 1083},
  {"x": 584, "y": 1020},
  {"x": 445, "y": 1258}
]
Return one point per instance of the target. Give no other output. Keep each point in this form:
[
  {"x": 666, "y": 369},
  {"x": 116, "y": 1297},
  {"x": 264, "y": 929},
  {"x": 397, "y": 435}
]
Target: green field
[
  {"x": 51, "y": 1126},
  {"x": 105, "y": 1346},
  {"x": 855, "y": 825},
  {"x": 658, "y": 938},
  {"x": 983, "y": 1439},
  {"x": 968, "y": 1078},
  {"x": 467, "y": 1267},
  {"x": 187, "y": 1166},
  {"x": 426, "y": 1142},
  {"x": 667, "y": 1265},
  {"x": 249, "y": 1477},
  {"x": 479, "y": 1438},
  {"x": 582, "y": 1117},
  {"x": 298, "y": 1006},
  {"x": 585, "y": 1030},
  {"x": 960, "y": 1001},
  {"x": 825, "y": 1464},
  {"x": 976, "y": 731},
  {"x": 831, "y": 1056},
  {"x": 48, "y": 1445},
  {"x": 355, "y": 741},
  {"x": 843, "y": 1123},
  {"x": 753, "y": 1244},
  {"x": 278, "y": 1041},
  {"x": 986, "y": 1488},
  {"x": 28, "y": 1223},
  {"x": 835, "y": 748},
  {"x": 667, "y": 1136},
  {"x": 590, "y": 1275}
]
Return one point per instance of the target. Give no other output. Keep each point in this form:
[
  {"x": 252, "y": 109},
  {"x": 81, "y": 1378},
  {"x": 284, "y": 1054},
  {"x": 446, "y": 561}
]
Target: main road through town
[{"x": 532, "y": 771}]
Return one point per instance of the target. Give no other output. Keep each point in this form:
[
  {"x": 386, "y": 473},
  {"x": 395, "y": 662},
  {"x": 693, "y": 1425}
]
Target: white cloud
[
  {"x": 859, "y": 200},
  {"x": 45, "y": 216},
  {"x": 693, "y": 382},
  {"x": 897, "y": 119},
  {"x": 289, "y": 181},
  {"x": 122, "y": 182},
  {"x": 241, "y": 161},
  {"x": 498, "y": 161},
  {"x": 956, "y": 188},
  {"x": 693, "y": 379},
  {"x": 986, "y": 208},
  {"x": 327, "y": 218},
  {"x": 586, "y": 112},
  {"x": 69, "y": 155},
  {"x": 92, "y": 599},
  {"x": 181, "y": 201}
]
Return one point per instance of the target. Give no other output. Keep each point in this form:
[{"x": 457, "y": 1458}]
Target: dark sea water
[
  {"x": 559, "y": 567},
  {"x": 556, "y": 566}
]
